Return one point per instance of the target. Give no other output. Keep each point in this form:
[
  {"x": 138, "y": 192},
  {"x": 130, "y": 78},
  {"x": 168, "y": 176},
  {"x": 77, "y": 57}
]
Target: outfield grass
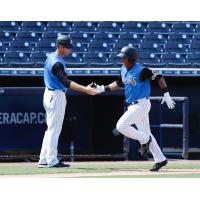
[{"x": 104, "y": 168}]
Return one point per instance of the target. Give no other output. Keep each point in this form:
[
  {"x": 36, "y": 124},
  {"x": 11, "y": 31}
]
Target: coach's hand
[
  {"x": 167, "y": 98},
  {"x": 90, "y": 90},
  {"x": 98, "y": 88}
]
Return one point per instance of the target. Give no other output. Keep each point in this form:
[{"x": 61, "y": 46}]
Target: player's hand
[
  {"x": 90, "y": 90},
  {"x": 167, "y": 98},
  {"x": 98, "y": 88}
]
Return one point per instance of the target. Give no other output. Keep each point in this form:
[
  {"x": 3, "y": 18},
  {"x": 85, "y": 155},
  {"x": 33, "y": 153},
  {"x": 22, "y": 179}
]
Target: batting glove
[
  {"x": 167, "y": 98},
  {"x": 99, "y": 88}
]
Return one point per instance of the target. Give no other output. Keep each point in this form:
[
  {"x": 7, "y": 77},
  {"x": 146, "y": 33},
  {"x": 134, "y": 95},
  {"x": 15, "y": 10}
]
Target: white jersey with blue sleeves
[{"x": 135, "y": 89}]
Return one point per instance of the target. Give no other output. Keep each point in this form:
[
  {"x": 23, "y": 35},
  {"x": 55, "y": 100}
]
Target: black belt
[
  {"x": 135, "y": 102},
  {"x": 54, "y": 90}
]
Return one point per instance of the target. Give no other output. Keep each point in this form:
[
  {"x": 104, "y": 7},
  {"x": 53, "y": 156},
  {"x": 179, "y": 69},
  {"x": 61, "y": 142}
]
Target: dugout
[{"x": 92, "y": 119}]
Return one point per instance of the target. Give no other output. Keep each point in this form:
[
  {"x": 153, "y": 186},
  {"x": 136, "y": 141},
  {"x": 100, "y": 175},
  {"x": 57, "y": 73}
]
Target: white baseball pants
[
  {"x": 138, "y": 114},
  {"x": 54, "y": 103}
]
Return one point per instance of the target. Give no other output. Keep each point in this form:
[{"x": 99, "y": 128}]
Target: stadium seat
[
  {"x": 85, "y": 27},
  {"x": 74, "y": 60},
  {"x": 174, "y": 60},
  {"x": 9, "y": 26},
  {"x": 18, "y": 59},
  {"x": 110, "y": 27},
  {"x": 83, "y": 38},
  {"x": 34, "y": 26},
  {"x": 59, "y": 26},
  {"x": 109, "y": 38},
  {"x": 176, "y": 47},
  {"x": 46, "y": 45},
  {"x": 183, "y": 27},
  {"x": 150, "y": 60},
  {"x": 97, "y": 60},
  {"x": 115, "y": 60},
  {"x": 151, "y": 46},
  {"x": 195, "y": 46},
  {"x": 194, "y": 59},
  {"x": 182, "y": 38},
  {"x": 3, "y": 62},
  {"x": 101, "y": 47},
  {"x": 79, "y": 47},
  {"x": 6, "y": 37},
  {"x": 38, "y": 58},
  {"x": 3, "y": 47},
  {"x": 134, "y": 27},
  {"x": 30, "y": 37},
  {"x": 156, "y": 38},
  {"x": 50, "y": 36},
  {"x": 22, "y": 46},
  {"x": 119, "y": 45},
  {"x": 159, "y": 27},
  {"x": 133, "y": 38}
]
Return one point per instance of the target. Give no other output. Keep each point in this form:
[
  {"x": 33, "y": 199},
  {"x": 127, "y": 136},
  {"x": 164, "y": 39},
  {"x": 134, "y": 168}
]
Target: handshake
[
  {"x": 93, "y": 89},
  {"x": 99, "y": 88}
]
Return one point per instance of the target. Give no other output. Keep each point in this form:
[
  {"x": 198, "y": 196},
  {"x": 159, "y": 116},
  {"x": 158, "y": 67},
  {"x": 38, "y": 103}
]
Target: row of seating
[
  {"x": 92, "y": 27},
  {"x": 37, "y": 59}
]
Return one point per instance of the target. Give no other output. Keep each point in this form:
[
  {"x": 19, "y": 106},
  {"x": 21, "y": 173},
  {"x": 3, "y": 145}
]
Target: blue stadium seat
[
  {"x": 134, "y": 27},
  {"x": 101, "y": 47},
  {"x": 30, "y": 37},
  {"x": 59, "y": 26},
  {"x": 109, "y": 38},
  {"x": 21, "y": 46},
  {"x": 150, "y": 59},
  {"x": 3, "y": 47},
  {"x": 3, "y": 62},
  {"x": 18, "y": 59},
  {"x": 156, "y": 38},
  {"x": 79, "y": 47},
  {"x": 151, "y": 46},
  {"x": 174, "y": 60},
  {"x": 110, "y": 27},
  {"x": 6, "y": 37},
  {"x": 38, "y": 58},
  {"x": 46, "y": 45},
  {"x": 9, "y": 26},
  {"x": 194, "y": 59},
  {"x": 115, "y": 59},
  {"x": 131, "y": 38},
  {"x": 119, "y": 45},
  {"x": 195, "y": 46},
  {"x": 74, "y": 60},
  {"x": 196, "y": 37},
  {"x": 83, "y": 38},
  {"x": 182, "y": 38},
  {"x": 183, "y": 27},
  {"x": 176, "y": 47},
  {"x": 85, "y": 27},
  {"x": 97, "y": 60},
  {"x": 34, "y": 26},
  {"x": 159, "y": 27},
  {"x": 50, "y": 36}
]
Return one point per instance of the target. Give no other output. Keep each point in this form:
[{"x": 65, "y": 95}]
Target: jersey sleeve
[
  {"x": 119, "y": 82},
  {"x": 58, "y": 70},
  {"x": 147, "y": 73}
]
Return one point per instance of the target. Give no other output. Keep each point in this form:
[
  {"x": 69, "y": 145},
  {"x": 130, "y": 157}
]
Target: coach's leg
[
  {"x": 55, "y": 126},
  {"x": 128, "y": 119}
]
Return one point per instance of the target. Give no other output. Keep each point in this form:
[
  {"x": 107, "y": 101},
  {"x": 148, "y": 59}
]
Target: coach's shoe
[
  {"x": 42, "y": 165},
  {"x": 145, "y": 148},
  {"x": 157, "y": 166},
  {"x": 60, "y": 164}
]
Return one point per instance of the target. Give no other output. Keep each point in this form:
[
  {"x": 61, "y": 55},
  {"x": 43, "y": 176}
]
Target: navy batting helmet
[
  {"x": 128, "y": 52},
  {"x": 65, "y": 41}
]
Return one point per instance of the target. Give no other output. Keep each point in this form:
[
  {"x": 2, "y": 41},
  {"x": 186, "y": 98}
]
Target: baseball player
[
  {"x": 54, "y": 101},
  {"x": 136, "y": 81}
]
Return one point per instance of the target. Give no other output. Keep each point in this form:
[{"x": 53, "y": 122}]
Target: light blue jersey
[
  {"x": 134, "y": 88},
  {"x": 50, "y": 80}
]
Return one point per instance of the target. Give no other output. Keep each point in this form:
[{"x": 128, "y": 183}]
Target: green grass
[{"x": 107, "y": 167}]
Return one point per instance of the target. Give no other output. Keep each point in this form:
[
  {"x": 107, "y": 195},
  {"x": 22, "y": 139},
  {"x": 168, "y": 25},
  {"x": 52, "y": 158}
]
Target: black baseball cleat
[
  {"x": 60, "y": 164},
  {"x": 145, "y": 148},
  {"x": 157, "y": 166},
  {"x": 42, "y": 165}
]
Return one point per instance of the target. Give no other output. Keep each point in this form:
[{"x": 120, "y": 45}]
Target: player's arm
[
  {"x": 146, "y": 73},
  {"x": 111, "y": 87},
  {"x": 58, "y": 70}
]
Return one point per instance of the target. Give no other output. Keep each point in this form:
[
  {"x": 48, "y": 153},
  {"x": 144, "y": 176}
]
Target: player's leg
[
  {"x": 124, "y": 125},
  {"x": 143, "y": 125},
  {"x": 55, "y": 126}
]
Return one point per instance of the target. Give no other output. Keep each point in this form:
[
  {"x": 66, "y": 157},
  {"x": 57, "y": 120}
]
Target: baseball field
[{"x": 122, "y": 169}]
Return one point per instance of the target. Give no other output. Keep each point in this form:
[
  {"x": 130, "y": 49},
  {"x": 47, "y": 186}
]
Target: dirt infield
[{"x": 175, "y": 168}]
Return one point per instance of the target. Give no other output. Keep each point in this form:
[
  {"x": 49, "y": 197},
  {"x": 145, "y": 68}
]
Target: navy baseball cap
[{"x": 65, "y": 41}]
